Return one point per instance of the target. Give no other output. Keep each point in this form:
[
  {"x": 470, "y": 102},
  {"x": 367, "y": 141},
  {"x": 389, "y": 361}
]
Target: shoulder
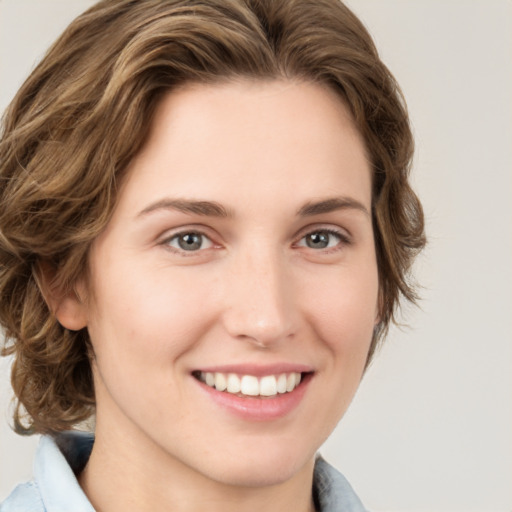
[
  {"x": 25, "y": 498},
  {"x": 332, "y": 491},
  {"x": 54, "y": 487}
]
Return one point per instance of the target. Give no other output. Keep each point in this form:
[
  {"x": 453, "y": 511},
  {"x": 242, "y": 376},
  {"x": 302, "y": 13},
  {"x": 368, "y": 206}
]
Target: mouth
[
  {"x": 252, "y": 386},
  {"x": 254, "y": 393}
]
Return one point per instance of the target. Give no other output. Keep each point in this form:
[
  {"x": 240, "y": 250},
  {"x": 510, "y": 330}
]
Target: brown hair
[{"x": 84, "y": 113}]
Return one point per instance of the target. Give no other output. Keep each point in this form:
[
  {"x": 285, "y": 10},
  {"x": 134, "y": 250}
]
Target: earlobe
[
  {"x": 71, "y": 312},
  {"x": 68, "y": 307},
  {"x": 378, "y": 309}
]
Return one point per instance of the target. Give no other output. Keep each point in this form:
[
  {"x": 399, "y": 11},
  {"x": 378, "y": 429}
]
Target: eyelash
[
  {"x": 184, "y": 252},
  {"x": 343, "y": 240}
]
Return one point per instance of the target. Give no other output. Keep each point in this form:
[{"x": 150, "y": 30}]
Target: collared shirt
[{"x": 56, "y": 489}]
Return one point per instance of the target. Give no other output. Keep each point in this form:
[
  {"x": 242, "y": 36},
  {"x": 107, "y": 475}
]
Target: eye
[
  {"x": 189, "y": 241},
  {"x": 322, "y": 239}
]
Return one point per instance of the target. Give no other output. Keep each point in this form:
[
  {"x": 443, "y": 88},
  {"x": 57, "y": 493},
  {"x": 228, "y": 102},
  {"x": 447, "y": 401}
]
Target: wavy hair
[{"x": 83, "y": 114}]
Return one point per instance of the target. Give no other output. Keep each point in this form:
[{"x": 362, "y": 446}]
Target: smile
[{"x": 250, "y": 385}]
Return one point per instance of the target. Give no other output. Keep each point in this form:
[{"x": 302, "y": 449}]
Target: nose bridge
[{"x": 260, "y": 297}]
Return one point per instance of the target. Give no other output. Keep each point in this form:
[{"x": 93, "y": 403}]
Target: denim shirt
[{"x": 56, "y": 489}]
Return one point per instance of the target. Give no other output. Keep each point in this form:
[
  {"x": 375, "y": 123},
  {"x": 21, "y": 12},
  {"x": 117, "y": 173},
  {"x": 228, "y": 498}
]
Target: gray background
[{"x": 431, "y": 427}]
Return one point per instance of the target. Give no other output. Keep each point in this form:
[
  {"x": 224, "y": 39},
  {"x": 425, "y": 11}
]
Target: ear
[
  {"x": 71, "y": 312},
  {"x": 378, "y": 308},
  {"x": 69, "y": 307}
]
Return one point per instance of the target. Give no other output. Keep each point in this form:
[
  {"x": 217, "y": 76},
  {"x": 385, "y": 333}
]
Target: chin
[{"x": 255, "y": 470}]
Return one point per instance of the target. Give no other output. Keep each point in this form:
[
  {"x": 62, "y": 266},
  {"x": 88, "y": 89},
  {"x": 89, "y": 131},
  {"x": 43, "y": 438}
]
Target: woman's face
[{"x": 240, "y": 253}]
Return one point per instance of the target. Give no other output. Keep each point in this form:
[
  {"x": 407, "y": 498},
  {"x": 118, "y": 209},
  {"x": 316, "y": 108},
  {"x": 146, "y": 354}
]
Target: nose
[{"x": 260, "y": 306}]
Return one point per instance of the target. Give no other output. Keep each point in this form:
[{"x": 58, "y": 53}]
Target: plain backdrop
[{"x": 431, "y": 427}]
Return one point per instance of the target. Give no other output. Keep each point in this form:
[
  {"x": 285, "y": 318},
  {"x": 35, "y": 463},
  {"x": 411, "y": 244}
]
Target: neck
[{"x": 124, "y": 474}]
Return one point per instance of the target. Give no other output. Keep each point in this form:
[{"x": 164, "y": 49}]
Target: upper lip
[{"x": 257, "y": 370}]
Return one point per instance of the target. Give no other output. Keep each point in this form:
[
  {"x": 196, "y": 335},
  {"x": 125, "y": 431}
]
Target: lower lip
[{"x": 256, "y": 408}]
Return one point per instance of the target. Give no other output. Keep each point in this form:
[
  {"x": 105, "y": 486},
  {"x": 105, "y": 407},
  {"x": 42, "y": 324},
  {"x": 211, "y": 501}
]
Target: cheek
[
  {"x": 142, "y": 329},
  {"x": 343, "y": 316},
  {"x": 346, "y": 313},
  {"x": 143, "y": 320}
]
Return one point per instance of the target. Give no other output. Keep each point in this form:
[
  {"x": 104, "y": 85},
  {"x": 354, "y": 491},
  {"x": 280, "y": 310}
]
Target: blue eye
[
  {"x": 190, "y": 241},
  {"x": 321, "y": 239}
]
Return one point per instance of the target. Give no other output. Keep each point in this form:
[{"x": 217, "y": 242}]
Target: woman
[{"x": 206, "y": 227}]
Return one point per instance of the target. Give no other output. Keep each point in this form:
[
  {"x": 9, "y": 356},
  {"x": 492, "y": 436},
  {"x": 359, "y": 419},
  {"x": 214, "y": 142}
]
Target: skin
[{"x": 256, "y": 292}]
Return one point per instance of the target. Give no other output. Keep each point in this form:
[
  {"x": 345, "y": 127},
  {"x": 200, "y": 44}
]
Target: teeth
[
  {"x": 220, "y": 382},
  {"x": 268, "y": 386},
  {"x": 234, "y": 385},
  {"x": 210, "y": 379},
  {"x": 281, "y": 383},
  {"x": 290, "y": 382},
  {"x": 249, "y": 385}
]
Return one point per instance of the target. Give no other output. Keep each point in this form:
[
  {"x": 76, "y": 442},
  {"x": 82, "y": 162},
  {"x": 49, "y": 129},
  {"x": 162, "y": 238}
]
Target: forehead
[{"x": 254, "y": 138}]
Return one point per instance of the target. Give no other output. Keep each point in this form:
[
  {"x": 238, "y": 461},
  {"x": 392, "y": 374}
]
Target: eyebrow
[
  {"x": 214, "y": 209},
  {"x": 206, "y": 208},
  {"x": 331, "y": 205}
]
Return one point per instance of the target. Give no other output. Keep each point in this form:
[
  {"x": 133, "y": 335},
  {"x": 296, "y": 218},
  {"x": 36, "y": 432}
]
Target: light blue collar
[{"x": 54, "y": 474}]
